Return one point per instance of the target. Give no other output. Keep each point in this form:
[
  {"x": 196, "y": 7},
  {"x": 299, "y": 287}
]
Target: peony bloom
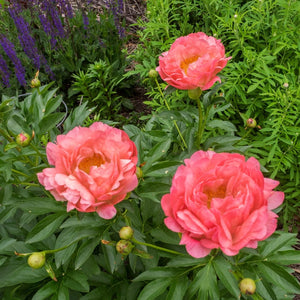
[
  {"x": 220, "y": 200},
  {"x": 94, "y": 169},
  {"x": 193, "y": 61}
]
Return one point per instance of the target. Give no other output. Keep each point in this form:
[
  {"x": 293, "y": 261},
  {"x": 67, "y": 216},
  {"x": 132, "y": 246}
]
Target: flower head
[
  {"x": 94, "y": 169},
  {"x": 220, "y": 200},
  {"x": 193, "y": 61}
]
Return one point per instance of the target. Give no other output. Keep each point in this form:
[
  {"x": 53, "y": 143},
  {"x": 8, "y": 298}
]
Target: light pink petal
[{"x": 106, "y": 211}]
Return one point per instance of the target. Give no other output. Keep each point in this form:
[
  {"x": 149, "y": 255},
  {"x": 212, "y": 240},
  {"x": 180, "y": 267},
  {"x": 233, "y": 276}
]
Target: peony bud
[
  {"x": 153, "y": 73},
  {"x": 139, "y": 172},
  {"x": 247, "y": 286},
  {"x": 35, "y": 83},
  {"x": 195, "y": 93},
  {"x": 124, "y": 247},
  {"x": 251, "y": 123},
  {"x": 23, "y": 139},
  {"x": 36, "y": 260},
  {"x": 285, "y": 85},
  {"x": 126, "y": 233}
]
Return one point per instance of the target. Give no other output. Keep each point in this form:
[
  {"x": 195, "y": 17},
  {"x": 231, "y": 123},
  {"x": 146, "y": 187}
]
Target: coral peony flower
[
  {"x": 193, "y": 61},
  {"x": 94, "y": 169},
  {"x": 220, "y": 200}
]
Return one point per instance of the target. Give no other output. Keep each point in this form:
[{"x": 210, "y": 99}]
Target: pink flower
[
  {"x": 193, "y": 61},
  {"x": 220, "y": 200},
  {"x": 94, "y": 169}
]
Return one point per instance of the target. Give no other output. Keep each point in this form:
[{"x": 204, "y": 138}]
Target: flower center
[
  {"x": 88, "y": 162},
  {"x": 219, "y": 192},
  {"x": 184, "y": 65}
]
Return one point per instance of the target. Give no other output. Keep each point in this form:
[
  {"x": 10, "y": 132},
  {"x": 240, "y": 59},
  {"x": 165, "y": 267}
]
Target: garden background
[{"x": 65, "y": 64}]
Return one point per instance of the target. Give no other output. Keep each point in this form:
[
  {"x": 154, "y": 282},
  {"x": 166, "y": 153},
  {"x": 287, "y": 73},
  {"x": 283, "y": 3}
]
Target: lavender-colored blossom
[
  {"x": 5, "y": 74},
  {"x": 66, "y": 7},
  {"x": 117, "y": 9},
  {"x": 26, "y": 40},
  {"x": 49, "y": 8},
  {"x": 85, "y": 20},
  {"x": 10, "y": 51}
]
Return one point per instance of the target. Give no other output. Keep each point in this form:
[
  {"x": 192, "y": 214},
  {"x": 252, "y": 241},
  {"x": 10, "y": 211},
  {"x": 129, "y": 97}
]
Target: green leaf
[
  {"x": 288, "y": 257},
  {"x": 279, "y": 277},
  {"x": 224, "y": 125},
  {"x": 49, "y": 122},
  {"x": 162, "y": 168},
  {"x": 63, "y": 293},
  {"x": 187, "y": 261},
  {"x": 178, "y": 289},
  {"x": 154, "y": 289},
  {"x": 165, "y": 235},
  {"x": 155, "y": 273},
  {"x": 205, "y": 283},
  {"x": 274, "y": 243},
  {"x": 39, "y": 205},
  {"x": 17, "y": 271},
  {"x": 224, "y": 271},
  {"x": 45, "y": 228},
  {"x": 5, "y": 244},
  {"x": 46, "y": 291},
  {"x": 85, "y": 251},
  {"x": 253, "y": 87},
  {"x": 158, "y": 151},
  {"x": 76, "y": 281},
  {"x": 69, "y": 236}
]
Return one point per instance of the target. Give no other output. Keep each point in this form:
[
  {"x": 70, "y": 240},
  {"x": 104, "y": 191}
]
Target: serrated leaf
[
  {"x": 279, "y": 276},
  {"x": 154, "y": 289},
  {"x": 45, "y": 228},
  {"x": 224, "y": 271}
]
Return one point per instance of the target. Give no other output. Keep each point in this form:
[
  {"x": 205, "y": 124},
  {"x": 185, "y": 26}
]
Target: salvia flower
[
  {"x": 10, "y": 51},
  {"x": 4, "y": 72}
]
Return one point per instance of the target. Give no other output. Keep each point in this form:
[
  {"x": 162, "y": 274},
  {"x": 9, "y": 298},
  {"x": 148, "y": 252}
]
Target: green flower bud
[
  {"x": 247, "y": 286},
  {"x": 124, "y": 247},
  {"x": 23, "y": 139},
  {"x": 139, "y": 172},
  {"x": 251, "y": 123},
  {"x": 36, "y": 260},
  {"x": 195, "y": 94},
  {"x": 153, "y": 73},
  {"x": 35, "y": 83},
  {"x": 126, "y": 233}
]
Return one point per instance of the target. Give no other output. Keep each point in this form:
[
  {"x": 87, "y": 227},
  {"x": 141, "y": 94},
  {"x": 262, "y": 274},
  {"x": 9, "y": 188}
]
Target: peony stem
[
  {"x": 174, "y": 121},
  {"x": 156, "y": 247},
  {"x": 201, "y": 122}
]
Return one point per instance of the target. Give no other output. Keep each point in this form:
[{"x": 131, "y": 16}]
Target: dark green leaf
[
  {"x": 155, "y": 273},
  {"x": 224, "y": 271},
  {"x": 178, "y": 289},
  {"x": 154, "y": 289},
  {"x": 77, "y": 281},
  {"x": 45, "y": 228},
  {"x": 49, "y": 122},
  {"x": 279, "y": 276},
  {"x": 46, "y": 291}
]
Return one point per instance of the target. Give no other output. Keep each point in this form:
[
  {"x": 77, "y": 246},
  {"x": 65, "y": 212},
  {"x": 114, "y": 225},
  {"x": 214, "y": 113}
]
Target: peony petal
[
  {"x": 194, "y": 247},
  {"x": 106, "y": 211}
]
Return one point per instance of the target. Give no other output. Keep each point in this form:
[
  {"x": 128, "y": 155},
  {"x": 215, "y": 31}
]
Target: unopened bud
[
  {"x": 36, "y": 260},
  {"x": 247, "y": 286},
  {"x": 286, "y": 85},
  {"x": 139, "y": 172},
  {"x": 153, "y": 73},
  {"x": 124, "y": 247},
  {"x": 251, "y": 123},
  {"x": 23, "y": 139},
  {"x": 126, "y": 233},
  {"x": 195, "y": 93},
  {"x": 35, "y": 83}
]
